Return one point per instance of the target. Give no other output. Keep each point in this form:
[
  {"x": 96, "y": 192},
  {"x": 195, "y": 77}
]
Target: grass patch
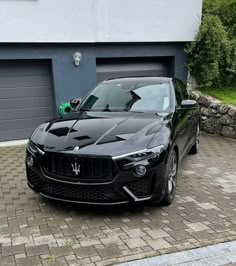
[
  {"x": 226, "y": 95},
  {"x": 52, "y": 258}
]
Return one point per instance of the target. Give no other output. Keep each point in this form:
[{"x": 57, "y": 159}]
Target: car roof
[{"x": 138, "y": 79}]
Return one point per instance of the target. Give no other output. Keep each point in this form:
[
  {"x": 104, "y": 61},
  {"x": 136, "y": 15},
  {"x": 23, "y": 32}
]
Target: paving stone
[
  {"x": 135, "y": 233},
  {"x": 180, "y": 235},
  {"x": 12, "y": 250},
  {"x": 198, "y": 226},
  {"x": 109, "y": 252},
  {"x": 51, "y": 261},
  {"x": 95, "y": 258},
  {"x": 202, "y": 235},
  {"x": 158, "y": 244},
  {"x": 204, "y": 212},
  {"x": 135, "y": 242},
  {"x": 37, "y": 250},
  {"x": 177, "y": 226},
  {"x": 7, "y": 261},
  {"x": 218, "y": 227},
  {"x": 70, "y": 257},
  {"x": 29, "y": 261},
  {"x": 21, "y": 255},
  {"x": 83, "y": 252},
  {"x": 71, "y": 231},
  {"x": 21, "y": 240},
  {"x": 92, "y": 232},
  {"x": 159, "y": 233},
  {"x": 61, "y": 251},
  {"x": 40, "y": 240},
  {"x": 112, "y": 240},
  {"x": 107, "y": 262},
  {"x": 89, "y": 242}
]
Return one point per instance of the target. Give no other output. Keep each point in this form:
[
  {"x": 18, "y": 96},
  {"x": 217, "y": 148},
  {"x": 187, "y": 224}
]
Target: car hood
[{"x": 99, "y": 133}]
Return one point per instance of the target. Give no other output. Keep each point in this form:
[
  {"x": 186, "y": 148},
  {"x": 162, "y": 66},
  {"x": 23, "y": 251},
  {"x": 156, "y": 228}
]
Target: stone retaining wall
[{"x": 217, "y": 117}]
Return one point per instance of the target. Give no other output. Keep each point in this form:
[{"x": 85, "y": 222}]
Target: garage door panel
[
  {"x": 30, "y": 102},
  {"x": 25, "y": 113},
  {"x": 25, "y": 97},
  {"x": 23, "y": 68},
  {"x": 24, "y": 81},
  {"x": 19, "y": 124},
  {"x": 106, "y": 75},
  {"x": 20, "y": 92},
  {"x": 109, "y": 68},
  {"x": 16, "y": 134}
]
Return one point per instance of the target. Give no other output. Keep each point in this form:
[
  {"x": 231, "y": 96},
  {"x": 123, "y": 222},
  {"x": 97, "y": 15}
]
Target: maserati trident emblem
[{"x": 76, "y": 168}]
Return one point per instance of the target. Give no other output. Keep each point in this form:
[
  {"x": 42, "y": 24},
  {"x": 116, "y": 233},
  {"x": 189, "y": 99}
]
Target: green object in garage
[{"x": 65, "y": 108}]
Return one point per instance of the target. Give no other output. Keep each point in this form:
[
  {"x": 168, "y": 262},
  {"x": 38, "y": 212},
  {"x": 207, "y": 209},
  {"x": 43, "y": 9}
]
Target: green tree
[
  {"x": 209, "y": 55},
  {"x": 212, "y": 57},
  {"x": 225, "y": 9},
  {"x": 232, "y": 67}
]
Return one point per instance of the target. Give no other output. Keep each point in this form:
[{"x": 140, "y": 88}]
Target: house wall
[
  {"x": 70, "y": 81},
  {"x": 90, "y": 21}
]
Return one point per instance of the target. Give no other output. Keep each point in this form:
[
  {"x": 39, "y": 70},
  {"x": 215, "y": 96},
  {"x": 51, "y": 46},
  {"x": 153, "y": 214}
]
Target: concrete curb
[
  {"x": 13, "y": 143},
  {"x": 220, "y": 254}
]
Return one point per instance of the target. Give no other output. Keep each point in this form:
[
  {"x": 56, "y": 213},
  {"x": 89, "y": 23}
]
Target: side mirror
[
  {"x": 189, "y": 104},
  {"x": 75, "y": 102}
]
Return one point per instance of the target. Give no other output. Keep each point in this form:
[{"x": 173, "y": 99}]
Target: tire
[
  {"x": 194, "y": 149},
  {"x": 171, "y": 172}
]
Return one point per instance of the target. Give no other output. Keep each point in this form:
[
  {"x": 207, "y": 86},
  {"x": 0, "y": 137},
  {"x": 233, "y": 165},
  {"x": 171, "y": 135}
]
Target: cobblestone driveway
[{"x": 35, "y": 231}]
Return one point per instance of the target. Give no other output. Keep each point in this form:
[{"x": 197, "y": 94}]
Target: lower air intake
[{"x": 76, "y": 193}]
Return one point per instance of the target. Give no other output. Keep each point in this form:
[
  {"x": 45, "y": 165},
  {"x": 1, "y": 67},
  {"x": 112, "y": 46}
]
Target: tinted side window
[
  {"x": 183, "y": 89},
  {"x": 178, "y": 94}
]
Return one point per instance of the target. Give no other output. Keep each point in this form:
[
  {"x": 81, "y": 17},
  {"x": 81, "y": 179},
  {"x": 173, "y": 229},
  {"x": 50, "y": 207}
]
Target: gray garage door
[
  {"x": 130, "y": 67},
  {"x": 25, "y": 97}
]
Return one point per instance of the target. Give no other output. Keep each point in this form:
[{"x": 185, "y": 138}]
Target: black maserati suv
[{"x": 123, "y": 143}]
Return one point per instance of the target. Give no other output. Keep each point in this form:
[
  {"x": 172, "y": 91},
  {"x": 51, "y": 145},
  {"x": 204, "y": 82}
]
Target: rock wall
[{"x": 217, "y": 118}]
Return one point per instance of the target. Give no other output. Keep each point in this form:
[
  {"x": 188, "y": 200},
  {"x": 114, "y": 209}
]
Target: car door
[
  {"x": 182, "y": 119},
  {"x": 192, "y": 114}
]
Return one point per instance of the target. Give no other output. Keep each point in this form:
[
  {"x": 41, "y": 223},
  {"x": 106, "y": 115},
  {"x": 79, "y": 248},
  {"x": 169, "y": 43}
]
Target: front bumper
[{"x": 122, "y": 189}]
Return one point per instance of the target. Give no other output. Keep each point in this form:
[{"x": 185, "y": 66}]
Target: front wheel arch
[
  {"x": 169, "y": 197},
  {"x": 176, "y": 149},
  {"x": 159, "y": 195}
]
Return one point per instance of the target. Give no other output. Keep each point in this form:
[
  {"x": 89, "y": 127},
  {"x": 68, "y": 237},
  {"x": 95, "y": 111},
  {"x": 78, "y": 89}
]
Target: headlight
[
  {"x": 34, "y": 149},
  {"x": 139, "y": 161},
  {"x": 141, "y": 155}
]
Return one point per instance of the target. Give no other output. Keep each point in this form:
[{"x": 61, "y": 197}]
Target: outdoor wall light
[{"x": 77, "y": 57}]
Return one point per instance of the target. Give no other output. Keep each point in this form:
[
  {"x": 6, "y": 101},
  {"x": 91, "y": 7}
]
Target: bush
[
  {"x": 232, "y": 66},
  {"x": 212, "y": 57},
  {"x": 225, "y": 9}
]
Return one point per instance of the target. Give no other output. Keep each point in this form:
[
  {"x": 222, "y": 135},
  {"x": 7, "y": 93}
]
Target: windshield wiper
[
  {"x": 131, "y": 111},
  {"x": 84, "y": 109}
]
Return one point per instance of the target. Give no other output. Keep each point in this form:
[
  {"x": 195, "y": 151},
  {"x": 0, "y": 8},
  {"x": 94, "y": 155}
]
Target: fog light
[
  {"x": 140, "y": 170},
  {"x": 30, "y": 161}
]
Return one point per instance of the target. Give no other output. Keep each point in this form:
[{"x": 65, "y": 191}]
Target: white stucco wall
[{"x": 99, "y": 20}]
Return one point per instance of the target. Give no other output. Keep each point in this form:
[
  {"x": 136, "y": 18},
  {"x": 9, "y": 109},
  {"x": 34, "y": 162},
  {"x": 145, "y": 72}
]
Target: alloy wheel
[
  {"x": 172, "y": 175},
  {"x": 198, "y": 137}
]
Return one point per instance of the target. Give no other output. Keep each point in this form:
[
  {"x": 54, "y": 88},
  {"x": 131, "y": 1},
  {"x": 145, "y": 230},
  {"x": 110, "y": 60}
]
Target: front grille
[
  {"x": 33, "y": 178},
  {"x": 141, "y": 188},
  {"x": 80, "y": 169},
  {"x": 76, "y": 193}
]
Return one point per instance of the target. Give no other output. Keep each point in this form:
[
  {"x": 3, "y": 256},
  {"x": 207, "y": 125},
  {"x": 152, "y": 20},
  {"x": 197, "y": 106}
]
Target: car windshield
[{"x": 131, "y": 97}]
